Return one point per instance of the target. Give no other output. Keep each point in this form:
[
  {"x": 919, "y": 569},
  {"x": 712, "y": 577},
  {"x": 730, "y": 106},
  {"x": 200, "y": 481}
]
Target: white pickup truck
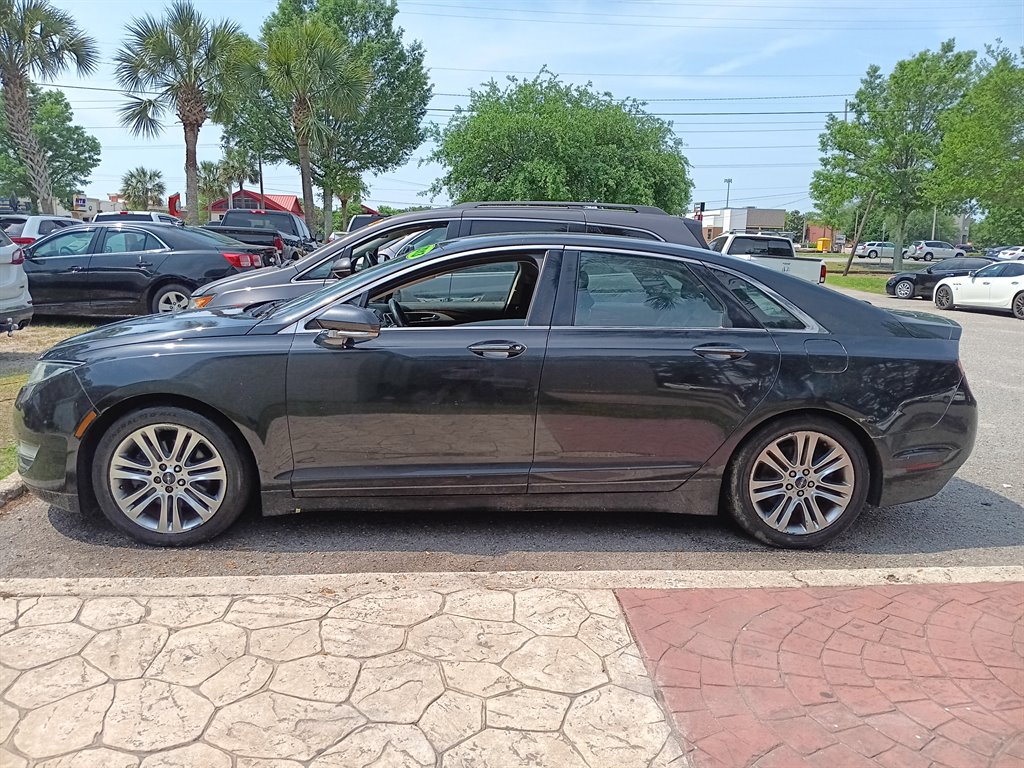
[{"x": 770, "y": 251}]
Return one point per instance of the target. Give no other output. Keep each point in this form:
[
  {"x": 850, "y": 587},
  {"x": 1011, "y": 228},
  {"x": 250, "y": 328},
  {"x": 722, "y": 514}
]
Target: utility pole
[
  {"x": 935, "y": 215},
  {"x": 728, "y": 187}
]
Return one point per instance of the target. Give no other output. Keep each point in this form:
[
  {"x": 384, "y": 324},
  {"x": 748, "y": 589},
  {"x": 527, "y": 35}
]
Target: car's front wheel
[
  {"x": 872, "y": 254},
  {"x": 904, "y": 289},
  {"x": 170, "y": 477},
  {"x": 798, "y": 482},
  {"x": 1018, "y": 306},
  {"x": 944, "y": 297},
  {"x": 929, "y": 256}
]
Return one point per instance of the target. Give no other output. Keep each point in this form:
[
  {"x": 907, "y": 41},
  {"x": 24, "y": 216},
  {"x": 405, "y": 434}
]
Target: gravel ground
[{"x": 977, "y": 520}]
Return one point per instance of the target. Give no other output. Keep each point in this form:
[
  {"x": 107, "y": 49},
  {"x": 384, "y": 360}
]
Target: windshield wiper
[{"x": 263, "y": 309}]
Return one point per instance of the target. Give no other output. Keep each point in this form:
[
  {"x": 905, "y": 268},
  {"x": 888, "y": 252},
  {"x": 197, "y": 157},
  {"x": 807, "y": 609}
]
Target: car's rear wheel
[
  {"x": 944, "y": 297},
  {"x": 169, "y": 477},
  {"x": 929, "y": 256},
  {"x": 798, "y": 482},
  {"x": 904, "y": 289},
  {"x": 172, "y": 297},
  {"x": 872, "y": 254},
  {"x": 1018, "y": 306}
]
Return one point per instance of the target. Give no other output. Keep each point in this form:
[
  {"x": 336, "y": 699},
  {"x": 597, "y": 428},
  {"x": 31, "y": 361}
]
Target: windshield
[{"x": 993, "y": 270}]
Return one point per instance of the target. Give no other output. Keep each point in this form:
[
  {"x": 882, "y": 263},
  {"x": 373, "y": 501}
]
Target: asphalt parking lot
[{"x": 977, "y": 520}]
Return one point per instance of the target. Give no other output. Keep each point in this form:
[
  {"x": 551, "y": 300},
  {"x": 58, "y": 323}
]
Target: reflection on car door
[
  {"x": 1007, "y": 285},
  {"x": 976, "y": 289},
  {"x": 644, "y": 379},
  {"x": 57, "y": 268},
  {"x": 122, "y": 268},
  {"x": 420, "y": 409}
]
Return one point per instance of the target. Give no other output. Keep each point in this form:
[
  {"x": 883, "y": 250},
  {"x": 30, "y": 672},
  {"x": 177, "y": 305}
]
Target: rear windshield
[
  {"x": 122, "y": 217},
  {"x": 4, "y": 239},
  {"x": 13, "y": 228},
  {"x": 756, "y": 246},
  {"x": 281, "y": 222}
]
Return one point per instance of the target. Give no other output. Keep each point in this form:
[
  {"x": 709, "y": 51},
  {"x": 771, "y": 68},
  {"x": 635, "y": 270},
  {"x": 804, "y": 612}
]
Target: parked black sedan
[
  {"x": 608, "y": 374},
  {"x": 909, "y": 285},
  {"x": 128, "y": 269}
]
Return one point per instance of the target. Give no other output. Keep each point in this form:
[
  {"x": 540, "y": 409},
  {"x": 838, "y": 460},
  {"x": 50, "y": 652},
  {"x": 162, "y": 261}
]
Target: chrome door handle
[
  {"x": 75, "y": 269},
  {"x": 719, "y": 352},
  {"x": 144, "y": 264},
  {"x": 497, "y": 349}
]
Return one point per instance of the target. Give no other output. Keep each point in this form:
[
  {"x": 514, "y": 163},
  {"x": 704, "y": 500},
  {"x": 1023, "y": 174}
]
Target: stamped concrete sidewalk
[{"x": 508, "y": 670}]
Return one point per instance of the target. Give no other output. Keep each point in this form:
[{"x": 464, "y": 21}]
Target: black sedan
[
  {"x": 504, "y": 373},
  {"x": 128, "y": 269},
  {"x": 910, "y": 285}
]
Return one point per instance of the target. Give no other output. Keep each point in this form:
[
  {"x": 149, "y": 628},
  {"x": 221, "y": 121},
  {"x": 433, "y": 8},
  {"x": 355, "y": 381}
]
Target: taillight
[
  {"x": 823, "y": 274},
  {"x": 23, "y": 240},
  {"x": 241, "y": 260},
  {"x": 279, "y": 244},
  {"x": 18, "y": 257}
]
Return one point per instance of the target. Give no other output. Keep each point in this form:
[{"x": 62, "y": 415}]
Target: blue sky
[{"x": 747, "y": 83}]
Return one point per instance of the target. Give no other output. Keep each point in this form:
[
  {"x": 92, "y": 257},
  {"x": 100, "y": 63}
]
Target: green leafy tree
[
  {"x": 70, "y": 153},
  {"x": 239, "y": 165},
  {"x": 1001, "y": 226},
  {"x": 887, "y": 150},
  {"x": 211, "y": 185},
  {"x": 181, "y": 64},
  {"x": 37, "y": 40},
  {"x": 308, "y": 68},
  {"x": 541, "y": 139},
  {"x": 142, "y": 188},
  {"x": 796, "y": 222}
]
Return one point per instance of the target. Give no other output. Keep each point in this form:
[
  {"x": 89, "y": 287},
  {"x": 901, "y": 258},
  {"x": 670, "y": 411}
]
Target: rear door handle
[
  {"x": 720, "y": 352},
  {"x": 497, "y": 349}
]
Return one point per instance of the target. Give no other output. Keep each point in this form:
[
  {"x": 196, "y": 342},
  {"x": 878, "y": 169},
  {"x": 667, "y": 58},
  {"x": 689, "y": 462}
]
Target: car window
[
  {"x": 496, "y": 226},
  {"x": 717, "y": 244},
  {"x": 780, "y": 248},
  {"x": 364, "y": 255},
  {"x": 482, "y": 283},
  {"x": 5, "y": 240},
  {"x": 994, "y": 270},
  {"x": 1013, "y": 270},
  {"x": 976, "y": 263},
  {"x": 766, "y": 310},
  {"x": 236, "y": 218},
  {"x": 948, "y": 265},
  {"x": 14, "y": 228},
  {"x": 604, "y": 229},
  {"x": 123, "y": 217},
  {"x": 46, "y": 226},
  {"x": 65, "y": 244},
  {"x": 641, "y": 292},
  {"x": 128, "y": 242}
]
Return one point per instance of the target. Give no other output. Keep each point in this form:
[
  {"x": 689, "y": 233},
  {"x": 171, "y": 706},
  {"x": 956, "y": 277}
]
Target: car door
[
  {"x": 57, "y": 269},
  {"x": 928, "y": 278},
  {"x": 431, "y": 408},
  {"x": 645, "y": 376},
  {"x": 975, "y": 290},
  {"x": 1007, "y": 285},
  {"x": 123, "y": 266}
]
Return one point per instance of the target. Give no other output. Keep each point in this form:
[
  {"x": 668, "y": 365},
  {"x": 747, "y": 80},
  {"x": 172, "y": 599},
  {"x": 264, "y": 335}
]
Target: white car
[
  {"x": 934, "y": 249},
  {"x": 997, "y": 286},
  {"x": 1013, "y": 253},
  {"x": 771, "y": 251},
  {"x": 155, "y": 216},
  {"x": 874, "y": 249},
  {"x": 25, "y": 229},
  {"x": 15, "y": 300}
]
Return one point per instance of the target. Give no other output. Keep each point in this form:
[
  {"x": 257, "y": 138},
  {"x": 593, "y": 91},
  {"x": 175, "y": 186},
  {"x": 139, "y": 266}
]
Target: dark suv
[{"x": 372, "y": 243}]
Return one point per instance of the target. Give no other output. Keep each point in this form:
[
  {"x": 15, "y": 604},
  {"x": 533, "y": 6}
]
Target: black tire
[
  {"x": 872, "y": 254},
  {"x": 906, "y": 286},
  {"x": 741, "y": 473},
  {"x": 168, "y": 294},
  {"x": 1017, "y": 305},
  {"x": 944, "y": 297},
  {"x": 929, "y": 256},
  {"x": 234, "y": 492}
]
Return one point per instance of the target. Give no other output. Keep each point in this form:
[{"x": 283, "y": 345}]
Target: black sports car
[
  {"x": 130, "y": 268},
  {"x": 909, "y": 285},
  {"x": 508, "y": 372}
]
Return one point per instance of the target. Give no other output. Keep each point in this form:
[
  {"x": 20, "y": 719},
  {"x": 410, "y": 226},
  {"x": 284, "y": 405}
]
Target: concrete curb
[
  {"x": 11, "y": 488},
  {"x": 361, "y": 583}
]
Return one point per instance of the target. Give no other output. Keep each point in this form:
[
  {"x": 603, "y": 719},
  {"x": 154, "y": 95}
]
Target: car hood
[
  {"x": 924, "y": 325},
  {"x": 180, "y": 326},
  {"x": 257, "y": 278}
]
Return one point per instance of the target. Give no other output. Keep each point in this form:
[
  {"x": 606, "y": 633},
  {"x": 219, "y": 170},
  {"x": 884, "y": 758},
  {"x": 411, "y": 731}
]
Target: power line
[{"x": 687, "y": 76}]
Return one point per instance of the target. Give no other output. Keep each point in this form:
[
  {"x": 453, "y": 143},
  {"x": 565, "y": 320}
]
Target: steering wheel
[
  {"x": 397, "y": 313},
  {"x": 66, "y": 250}
]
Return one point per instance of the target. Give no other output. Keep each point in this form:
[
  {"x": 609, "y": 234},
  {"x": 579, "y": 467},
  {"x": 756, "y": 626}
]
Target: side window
[
  {"x": 717, "y": 244},
  {"x": 748, "y": 246},
  {"x": 642, "y": 292},
  {"x": 780, "y": 248},
  {"x": 368, "y": 252},
  {"x": 604, "y": 229},
  {"x": 496, "y": 226},
  {"x": 950, "y": 265},
  {"x": 1013, "y": 270},
  {"x": 46, "y": 227},
  {"x": 767, "y": 311},
  {"x": 486, "y": 283},
  {"x": 976, "y": 263},
  {"x": 65, "y": 244},
  {"x": 128, "y": 242}
]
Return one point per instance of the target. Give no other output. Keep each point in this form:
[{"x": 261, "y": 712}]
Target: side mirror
[
  {"x": 344, "y": 324},
  {"x": 971, "y": 274}
]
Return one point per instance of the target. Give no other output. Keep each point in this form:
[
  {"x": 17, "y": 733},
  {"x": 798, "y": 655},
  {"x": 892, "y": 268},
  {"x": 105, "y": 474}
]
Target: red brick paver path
[{"x": 894, "y": 677}]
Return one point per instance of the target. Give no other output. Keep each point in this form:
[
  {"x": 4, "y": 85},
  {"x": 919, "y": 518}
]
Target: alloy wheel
[
  {"x": 944, "y": 298},
  {"x": 904, "y": 289},
  {"x": 1018, "y": 306},
  {"x": 167, "y": 478},
  {"x": 802, "y": 482},
  {"x": 172, "y": 301}
]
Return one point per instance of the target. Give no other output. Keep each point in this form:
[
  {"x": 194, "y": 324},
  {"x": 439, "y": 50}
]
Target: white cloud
[{"x": 768, "y": 51}]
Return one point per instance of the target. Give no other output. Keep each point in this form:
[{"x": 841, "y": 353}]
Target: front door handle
[
  {"x": 144, "y": 264},
  {"x": 719, "y": 352},
  {"x": 497, "y": 349},
  {"x": 76, "y": 269}
]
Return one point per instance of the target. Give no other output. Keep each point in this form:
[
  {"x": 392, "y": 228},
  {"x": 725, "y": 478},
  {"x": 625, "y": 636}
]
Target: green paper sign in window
[{"x": 421, "y": 251}]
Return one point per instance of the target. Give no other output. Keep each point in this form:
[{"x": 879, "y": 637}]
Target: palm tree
[
  {"x": 239, "y": 164},
  {"x": 211, "y": 184},
  {"x": 142, "y": 187},
  {"x": 310, "y": 68},
  {"x": 183, "y": 64},
  {"x": 38, "y": 40}
]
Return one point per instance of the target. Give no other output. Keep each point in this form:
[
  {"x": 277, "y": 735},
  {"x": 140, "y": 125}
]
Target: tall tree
[
  {"x": 70, "y": 153},
  {"x": 313, "y": 72},
  {"x": 211, "y": 185},
  {"x": 890, "y": 144},
  {"x": 37, "y": 40},
  {"x": 182, "y": 64},
  {"x": 239, "y": 165},
  {"x": 542, "y": 139},
  {"x": 142, "y": 187}
]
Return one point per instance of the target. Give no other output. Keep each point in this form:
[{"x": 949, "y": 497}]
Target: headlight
[
  {"x": 47, "y": 369},
  {"x": 199, "y": 302}
]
